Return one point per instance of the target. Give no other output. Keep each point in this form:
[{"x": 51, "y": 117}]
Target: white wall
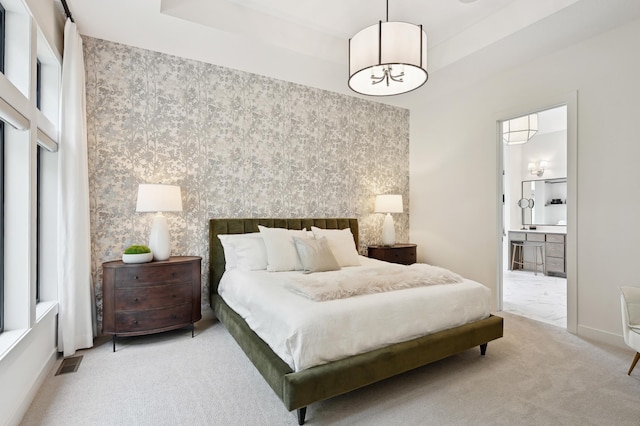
[
  {"x": 454, "y": 160},
  {"x": 550, "y": 147},
  {"x": 50, "y": 22},
  {"x": 24, "y": 368}
]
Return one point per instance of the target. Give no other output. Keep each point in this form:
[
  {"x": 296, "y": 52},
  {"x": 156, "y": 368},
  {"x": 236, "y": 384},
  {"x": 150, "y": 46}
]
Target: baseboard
[
  {"x": 601, "y": 336},
  {"x": 47, "y": 369}
]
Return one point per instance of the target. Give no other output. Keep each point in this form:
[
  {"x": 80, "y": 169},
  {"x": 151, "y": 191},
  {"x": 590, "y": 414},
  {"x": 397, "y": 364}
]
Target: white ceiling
[{"x": 306, "y": 41}]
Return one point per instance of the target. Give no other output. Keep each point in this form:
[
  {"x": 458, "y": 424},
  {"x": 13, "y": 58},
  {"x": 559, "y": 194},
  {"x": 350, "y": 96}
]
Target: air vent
[{"x": 69, "y": 365}]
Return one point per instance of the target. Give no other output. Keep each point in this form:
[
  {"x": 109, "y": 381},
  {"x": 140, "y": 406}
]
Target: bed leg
[
  {"x": 483, "y": 348},
  {"x": 302, "y": 412}
]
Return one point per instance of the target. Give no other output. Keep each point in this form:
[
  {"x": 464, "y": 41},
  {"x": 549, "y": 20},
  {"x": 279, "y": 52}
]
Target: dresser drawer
[
  {"x": 141, "y": 298},
  {"x": 555, "y": 238},
  {"x": 404, "y": 254},
  {"x": 555, "y": 264},
  {"x": 141, "y": 275},
  {"x": 141, "y": 321},
  {"x": 517, "y": 236},
  {"x": 535, "y": 237},
  {"x": 555, "y": 250}
]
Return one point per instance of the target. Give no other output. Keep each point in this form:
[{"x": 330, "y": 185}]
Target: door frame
[{"x": 571, "y": 101}]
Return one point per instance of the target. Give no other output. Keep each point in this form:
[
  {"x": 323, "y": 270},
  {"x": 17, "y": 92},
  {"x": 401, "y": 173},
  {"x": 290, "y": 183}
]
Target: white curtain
[{"x": 75, "y": 290}]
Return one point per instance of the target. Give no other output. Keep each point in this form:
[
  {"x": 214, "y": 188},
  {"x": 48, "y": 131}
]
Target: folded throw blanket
[{"x": 325, "y": 286}]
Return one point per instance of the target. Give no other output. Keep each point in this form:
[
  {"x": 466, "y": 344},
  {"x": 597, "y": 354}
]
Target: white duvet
[{"x": 305, "y": 333}]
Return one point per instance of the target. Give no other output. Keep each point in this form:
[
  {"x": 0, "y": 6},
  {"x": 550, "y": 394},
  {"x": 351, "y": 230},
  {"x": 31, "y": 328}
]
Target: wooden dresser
[
  {"x": 397, "y": 253},
  {"x": 145, "y": 298}
]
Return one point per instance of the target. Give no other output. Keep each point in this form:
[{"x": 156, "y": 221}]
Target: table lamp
[
  {"x": 159, "y": 198},
  {"x": 389, "y": 203}
]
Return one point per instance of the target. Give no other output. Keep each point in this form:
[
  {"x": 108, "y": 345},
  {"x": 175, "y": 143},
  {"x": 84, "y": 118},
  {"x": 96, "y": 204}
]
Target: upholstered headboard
[{"x": 244, "y": 226}]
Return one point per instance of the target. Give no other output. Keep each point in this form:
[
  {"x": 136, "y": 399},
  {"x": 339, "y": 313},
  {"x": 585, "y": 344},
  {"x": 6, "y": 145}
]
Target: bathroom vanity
[{"x": 554, "y": 248}]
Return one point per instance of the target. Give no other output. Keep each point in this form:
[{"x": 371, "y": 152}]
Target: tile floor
[{"x": 539, "y": 297}]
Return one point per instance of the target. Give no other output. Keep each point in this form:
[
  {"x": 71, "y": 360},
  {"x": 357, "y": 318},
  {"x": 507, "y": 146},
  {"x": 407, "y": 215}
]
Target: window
[
  {"x": 1, "y": 181},
  {"x": 38, "y": 210},
  {"x": 2, "y": 25},
  {"x": 38, "y": 83},
  {"x": 1, "y": 225},
  {"x": 30, "y": 90},
  {"x": 38, "y": 179},
  {"x": 47, "y": 85}
]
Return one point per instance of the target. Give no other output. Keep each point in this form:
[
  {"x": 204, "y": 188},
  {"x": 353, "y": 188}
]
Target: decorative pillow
[
  {"x": 315, "y": 255},
  {"x": 281, "y": 251},
  {"x": 341, "y": 244},
  {"x": 245, "y": 252}
]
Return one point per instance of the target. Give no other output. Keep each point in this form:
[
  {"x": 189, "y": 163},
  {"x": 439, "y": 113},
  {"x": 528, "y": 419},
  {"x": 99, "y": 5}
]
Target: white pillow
[
  {"x": 281, "y": 251},
  {"x": 245, "y": 252},
  {"x": 229, "y": 252},
  {"x": 341, "y": 244}
]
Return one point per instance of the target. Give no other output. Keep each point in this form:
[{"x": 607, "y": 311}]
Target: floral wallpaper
[{"x": 238, "y": 144}]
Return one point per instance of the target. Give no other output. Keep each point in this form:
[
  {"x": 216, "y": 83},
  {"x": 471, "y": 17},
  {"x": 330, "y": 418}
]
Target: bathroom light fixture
[
  {"x": 388, "y": 58},
  {"x": 159, "y": 198},
  {"x": 519, "y": 130},
  {"x": 537, "y": 168},
  {"x": 390, "y": 203}
]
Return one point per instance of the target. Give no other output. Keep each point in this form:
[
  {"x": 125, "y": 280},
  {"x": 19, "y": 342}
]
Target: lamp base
[
  {"x": 159, "y": 241},
  {"x": 388, "y": 231}
]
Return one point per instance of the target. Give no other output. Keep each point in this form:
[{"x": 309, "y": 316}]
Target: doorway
[{"x": 537, "y": 247}]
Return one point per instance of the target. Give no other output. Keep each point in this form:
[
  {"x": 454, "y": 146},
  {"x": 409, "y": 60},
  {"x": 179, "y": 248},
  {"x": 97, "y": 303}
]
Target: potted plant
[{"x": 137, "y": 254}]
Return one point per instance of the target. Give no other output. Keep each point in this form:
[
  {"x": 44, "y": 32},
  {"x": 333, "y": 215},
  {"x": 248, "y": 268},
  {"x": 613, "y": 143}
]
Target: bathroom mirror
[{"x": 548, "y": 202}]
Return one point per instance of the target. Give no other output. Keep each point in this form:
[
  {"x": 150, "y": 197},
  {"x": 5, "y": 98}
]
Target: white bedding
[{"x": 305, "y": 333}]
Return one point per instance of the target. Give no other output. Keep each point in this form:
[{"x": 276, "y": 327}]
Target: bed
[{"x": 299, "y": 389}]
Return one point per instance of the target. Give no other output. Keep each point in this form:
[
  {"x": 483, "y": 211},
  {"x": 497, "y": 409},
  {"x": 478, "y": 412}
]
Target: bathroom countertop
[{"x": 544, "y": 230}]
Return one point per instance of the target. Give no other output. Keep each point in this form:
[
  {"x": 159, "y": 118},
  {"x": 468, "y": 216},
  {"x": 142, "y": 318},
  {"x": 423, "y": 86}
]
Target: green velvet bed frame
[{"x": 299, "y": 389}]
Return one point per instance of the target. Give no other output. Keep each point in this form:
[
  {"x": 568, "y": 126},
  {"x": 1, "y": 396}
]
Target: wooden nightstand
[
  {"x": 145, "y": 298},
  {"x": 398, "y": 253}
]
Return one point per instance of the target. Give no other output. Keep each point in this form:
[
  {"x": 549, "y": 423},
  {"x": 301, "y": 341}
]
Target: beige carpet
[{"x": 537, "y": 374}]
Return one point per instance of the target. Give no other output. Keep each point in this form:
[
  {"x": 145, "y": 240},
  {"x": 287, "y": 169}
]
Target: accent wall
[{"x": 238, "y": 144}]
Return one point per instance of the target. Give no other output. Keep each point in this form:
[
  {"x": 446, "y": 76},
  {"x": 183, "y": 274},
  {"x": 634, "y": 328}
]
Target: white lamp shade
[
  {"x": 389, "y": 203},
  {"x": 519, "y": 130},
  {"x": 401, "y": 45},
  {"x": 159, "y": 198}
]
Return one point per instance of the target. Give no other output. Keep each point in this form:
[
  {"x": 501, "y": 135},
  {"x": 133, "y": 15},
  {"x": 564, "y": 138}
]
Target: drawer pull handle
[
  {"x": 135, "y": 277},
  {"x": 135, "y": 300},
  {"x": 135, "y": 321}
]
